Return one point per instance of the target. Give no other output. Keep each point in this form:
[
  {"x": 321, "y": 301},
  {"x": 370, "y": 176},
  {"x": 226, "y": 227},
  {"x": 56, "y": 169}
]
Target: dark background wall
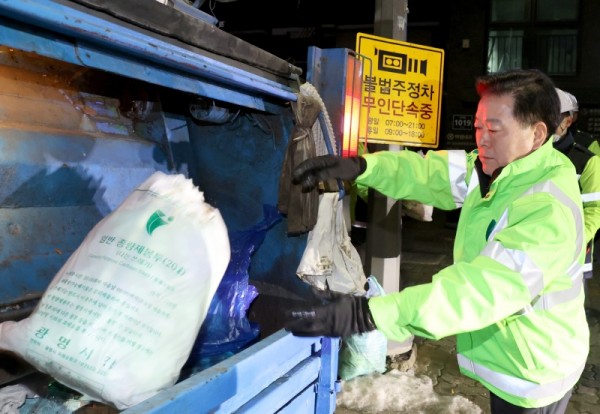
[{"x": 459, "y": 27}]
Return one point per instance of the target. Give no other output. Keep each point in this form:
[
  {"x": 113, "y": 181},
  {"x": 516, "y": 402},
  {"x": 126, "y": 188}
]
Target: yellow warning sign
[{"x": 401, "y": 91}]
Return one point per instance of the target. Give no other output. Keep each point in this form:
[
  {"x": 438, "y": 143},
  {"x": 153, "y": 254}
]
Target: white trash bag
[
  {"x": 119, "y": 319},
  {"x": 330, "y": 260}
]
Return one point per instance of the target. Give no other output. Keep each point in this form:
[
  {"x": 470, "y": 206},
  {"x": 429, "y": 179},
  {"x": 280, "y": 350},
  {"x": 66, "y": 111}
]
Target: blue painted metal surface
[
  {"x": 324, "y": 67},
  {"x": 238, "y": 167},
  {"x": 70, "y": 153},
  {"x": 48, "y": 208},
  {"x": 282, "y": 373},
  {"x": 97, "y": 43},
  {"x": 328, "y": 380},
  {"x": 68, "y": 157}
]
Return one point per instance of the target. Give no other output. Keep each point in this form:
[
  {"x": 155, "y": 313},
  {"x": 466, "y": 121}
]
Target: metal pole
[{"x": 384, "y": 216}]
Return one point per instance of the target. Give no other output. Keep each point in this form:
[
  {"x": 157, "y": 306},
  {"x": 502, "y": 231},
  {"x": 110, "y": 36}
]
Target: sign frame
[{"x": 401, "y": 95}]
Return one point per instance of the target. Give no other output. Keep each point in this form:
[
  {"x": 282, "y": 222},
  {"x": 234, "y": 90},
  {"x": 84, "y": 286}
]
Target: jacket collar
[
  {"x": 565, "y": 143},
  {"x": 521, "y": 166}
]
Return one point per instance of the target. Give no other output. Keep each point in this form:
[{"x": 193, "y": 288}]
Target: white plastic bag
[
  {"x": 417, "y": 211},
  {"x": 119, "y": 319},
  {"x": 329, "y": 259},
  {"x": 363, "y": 354}
]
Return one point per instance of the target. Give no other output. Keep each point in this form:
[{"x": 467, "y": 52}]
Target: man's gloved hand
[
  {"x": 311, "y": 171},
  {"x": 331, "y": 314}
]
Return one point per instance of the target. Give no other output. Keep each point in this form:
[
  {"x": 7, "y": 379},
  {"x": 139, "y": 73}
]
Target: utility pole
[{"x": 384, "y": 229}]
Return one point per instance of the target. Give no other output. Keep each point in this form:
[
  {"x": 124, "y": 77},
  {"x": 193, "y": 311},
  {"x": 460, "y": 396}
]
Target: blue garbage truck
[{"x": 96, "y": 96}]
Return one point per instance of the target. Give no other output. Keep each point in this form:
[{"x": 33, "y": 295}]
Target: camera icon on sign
[{"x": 399, "y": 63}]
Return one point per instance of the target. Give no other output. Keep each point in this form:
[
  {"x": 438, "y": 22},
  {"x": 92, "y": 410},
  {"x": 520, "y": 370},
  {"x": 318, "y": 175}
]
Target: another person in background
[
  {"x": 514, "y": 296},
  {"x": 595, "y": 146},
  {"x": 581, "y": 137},
  {"x": 587, "y": 167}
]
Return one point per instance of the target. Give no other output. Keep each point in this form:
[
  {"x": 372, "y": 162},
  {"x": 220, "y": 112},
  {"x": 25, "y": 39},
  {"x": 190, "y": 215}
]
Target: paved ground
[{"x": 427, "y": 247}]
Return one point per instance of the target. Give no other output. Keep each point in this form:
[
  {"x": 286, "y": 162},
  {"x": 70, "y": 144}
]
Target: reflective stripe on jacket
[
  {"x": 589, "y": 182},
  {"x": 587, "y": 167},
  {"x": 514, "y": 294}
]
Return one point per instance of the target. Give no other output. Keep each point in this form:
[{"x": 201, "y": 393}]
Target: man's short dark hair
[{"x": 534, "y": 93}]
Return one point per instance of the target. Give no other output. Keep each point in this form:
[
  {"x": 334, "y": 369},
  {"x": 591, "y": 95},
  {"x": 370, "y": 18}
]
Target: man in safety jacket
[
  {"x": 595, "y": 146},
  {"x": 514, "y": 295},
  {"x": 581, "y": 137},
  {"x": 587, "y": 167}
]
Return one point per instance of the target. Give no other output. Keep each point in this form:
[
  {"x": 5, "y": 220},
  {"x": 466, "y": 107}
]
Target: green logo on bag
[{"x": 156, "y": 220}]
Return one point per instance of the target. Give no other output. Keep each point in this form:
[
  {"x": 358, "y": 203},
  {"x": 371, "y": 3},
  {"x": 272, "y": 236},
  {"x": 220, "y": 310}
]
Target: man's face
[
  {"x": 500, "y": 138},
  {"x": 564, "y": 125}
]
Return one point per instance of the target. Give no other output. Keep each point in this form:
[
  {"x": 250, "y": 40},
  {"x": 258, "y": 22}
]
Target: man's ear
[{"x": 540, "y": 133}]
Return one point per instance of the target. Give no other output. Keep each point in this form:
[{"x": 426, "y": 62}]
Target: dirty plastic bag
[
  {"x": 329, "y": 259},
  {"x": 417, "y": 211},
  {"x": 363, "y": 354},
  {"x": 119, "y": 319},
  {"x": 300, "y": 207},
  {"x": 226, "y": 329}
]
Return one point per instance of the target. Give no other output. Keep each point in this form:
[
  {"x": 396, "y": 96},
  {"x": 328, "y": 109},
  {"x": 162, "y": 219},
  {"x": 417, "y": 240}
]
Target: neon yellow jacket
[
  {"x": 587, "y": 166},
  {"x": 514, "y": 295},
  {"x": 595, "y": 147},
  {"x": 590, "y": 189}
]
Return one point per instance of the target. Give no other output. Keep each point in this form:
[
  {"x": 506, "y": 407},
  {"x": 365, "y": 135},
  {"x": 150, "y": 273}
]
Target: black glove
[
  {"x": 331, "y": 314},
  {"x": 311, "y": 171}
]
